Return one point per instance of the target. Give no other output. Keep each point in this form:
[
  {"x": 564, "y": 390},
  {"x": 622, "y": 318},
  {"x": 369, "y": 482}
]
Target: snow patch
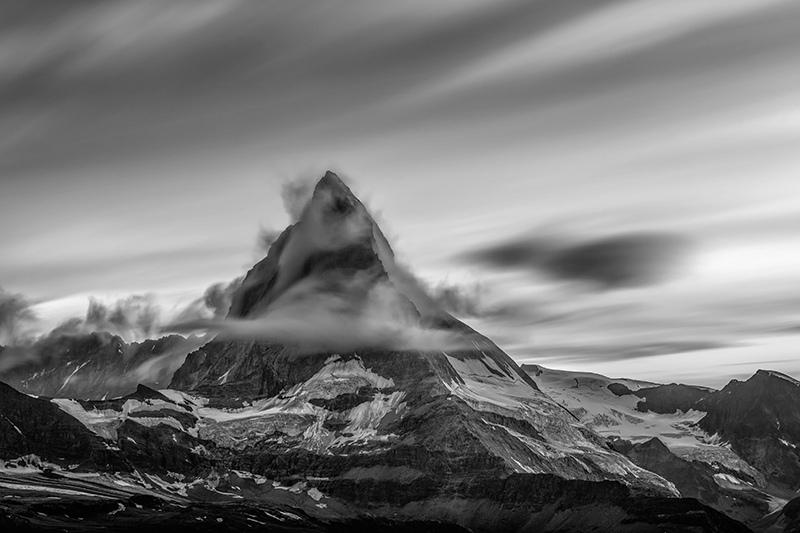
[
  {"x": 13, "y": 425},
  {"x": 783, "y": 377},
  {"x": 66, "y": 381}
]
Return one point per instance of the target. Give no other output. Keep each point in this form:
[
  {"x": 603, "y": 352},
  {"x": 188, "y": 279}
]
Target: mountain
[
  {"x": 698, "y": 479},
  {"x": 36, "y": 426},
  {"x": 95, "y": 365},
  {"x": 787, "y": 520},
  {"x": 760, "y": 418},
  {"x": 731, "y": 449},
  {"x": 337, "y": 395},
  {"x": 463, "y": 405}
]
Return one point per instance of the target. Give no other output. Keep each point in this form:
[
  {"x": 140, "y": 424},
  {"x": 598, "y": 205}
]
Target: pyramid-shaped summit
[
  {"x": 344, "y": 374},
  {"x": 335, "y": 239}
]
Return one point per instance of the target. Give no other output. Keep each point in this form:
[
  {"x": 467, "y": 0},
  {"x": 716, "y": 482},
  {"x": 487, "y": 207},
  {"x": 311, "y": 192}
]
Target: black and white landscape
[
  {"x": 353, "y": 266},
  {"x": 337, "y": 394}
]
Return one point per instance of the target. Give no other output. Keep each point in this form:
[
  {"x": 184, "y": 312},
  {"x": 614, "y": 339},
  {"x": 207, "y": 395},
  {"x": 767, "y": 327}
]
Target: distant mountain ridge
[
  {"x": 735, "y": 449},
  {"x": 95, "y": 365}
]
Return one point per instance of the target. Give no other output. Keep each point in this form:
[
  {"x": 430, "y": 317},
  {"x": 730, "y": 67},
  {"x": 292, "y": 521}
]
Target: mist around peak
[{"x": 332, "y": 283}]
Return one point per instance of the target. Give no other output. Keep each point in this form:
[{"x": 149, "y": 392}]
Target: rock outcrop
[{"x": 760, "y": 418}]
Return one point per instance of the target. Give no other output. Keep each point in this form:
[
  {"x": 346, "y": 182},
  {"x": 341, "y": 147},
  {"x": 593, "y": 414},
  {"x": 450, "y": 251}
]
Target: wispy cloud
[{"x": 142, "y": 144}]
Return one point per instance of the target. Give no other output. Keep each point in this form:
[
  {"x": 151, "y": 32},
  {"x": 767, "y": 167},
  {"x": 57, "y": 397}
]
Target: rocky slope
[
  {"x": 454, "y": 408},
  {"x": 96, "y": 365},
  {"x": 693, "y": 436},
  {"x": 144, "y": 458},
  {"x": 36, "y": 426},
  {"x": 697, "y": 479},
  {"x": 787, "y": 520},
  {"x": 760, "y": 418}
]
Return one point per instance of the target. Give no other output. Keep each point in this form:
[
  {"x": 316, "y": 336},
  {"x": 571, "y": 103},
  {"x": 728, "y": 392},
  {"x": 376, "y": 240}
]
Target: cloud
[
  {"x": 473, "y": 300},
  {"x": 133, "y": 318},
  {"x": 215, "y": 303},
  {"x": 460, "y": 300},
  {"x": 359, "y": 315},
  {"x": 70, "y": 326},
  {"x": 151, "y": 363},
  {"x": 15, "y": 316},
  {"x": 265, "y": 239},
  {"x": 296, "y": 194},
  {"x": 615, "y": 262},
  {"x": 329, "y": 290},
  {"x": 218, "y": 296},
  {"x": 622, "y": 352},
  {"x": 159, "y": 370}
]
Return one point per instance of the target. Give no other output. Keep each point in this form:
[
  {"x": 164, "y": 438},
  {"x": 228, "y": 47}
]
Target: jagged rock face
[
  {"x": 358, "y": 415},
  {"x": 670, "y": 443},
  {"x": 97, "y": 365},
  {"x": 785, "y": 521},
  {"x": 692, "y": 479},
  {"x": 171, "y": 467},
  {"x": 144, "y": 430},
  {"x": 36, "y": 426},
  {"x": 760, "y": 418},
  {"x": 695, "y": 479}
]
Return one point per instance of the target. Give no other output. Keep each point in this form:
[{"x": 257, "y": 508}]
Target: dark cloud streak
[{"x": 614, "y": 262}]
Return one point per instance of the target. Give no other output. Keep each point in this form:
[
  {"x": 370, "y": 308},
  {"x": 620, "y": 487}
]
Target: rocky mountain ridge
[
  {"x": 733, "y": 449},
  {"x": 95, "y": 365}
]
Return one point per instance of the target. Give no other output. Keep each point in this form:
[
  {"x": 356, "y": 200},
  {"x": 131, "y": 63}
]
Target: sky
[{"x": 144, "y": 145}]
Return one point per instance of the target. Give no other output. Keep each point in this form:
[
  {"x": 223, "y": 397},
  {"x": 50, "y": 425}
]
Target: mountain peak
[
  {"x": 332, "y": 251},
  {"x": 331, "y": 181},
  {"x": 332, "y": 202},
  {"x": 778, "y": 375}
]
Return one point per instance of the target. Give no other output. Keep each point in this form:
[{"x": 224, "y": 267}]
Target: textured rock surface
[
  {"x": 36, "y": 426},
  {"x": 760, "y": 418},
  {"x": 466, "y": 410},
  {"x": 672, "y": 444},
  {"x": 695, "y": 479},
  {"x": 97, "y": 365},
  {"x": 785, "y": 521}
]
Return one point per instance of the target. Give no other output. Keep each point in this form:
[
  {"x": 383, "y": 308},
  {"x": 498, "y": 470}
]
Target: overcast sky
[{"x": 143, "y": 145}]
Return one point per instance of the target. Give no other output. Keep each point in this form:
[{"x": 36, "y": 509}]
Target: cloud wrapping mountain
[{"x": 318, "y": 308}]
